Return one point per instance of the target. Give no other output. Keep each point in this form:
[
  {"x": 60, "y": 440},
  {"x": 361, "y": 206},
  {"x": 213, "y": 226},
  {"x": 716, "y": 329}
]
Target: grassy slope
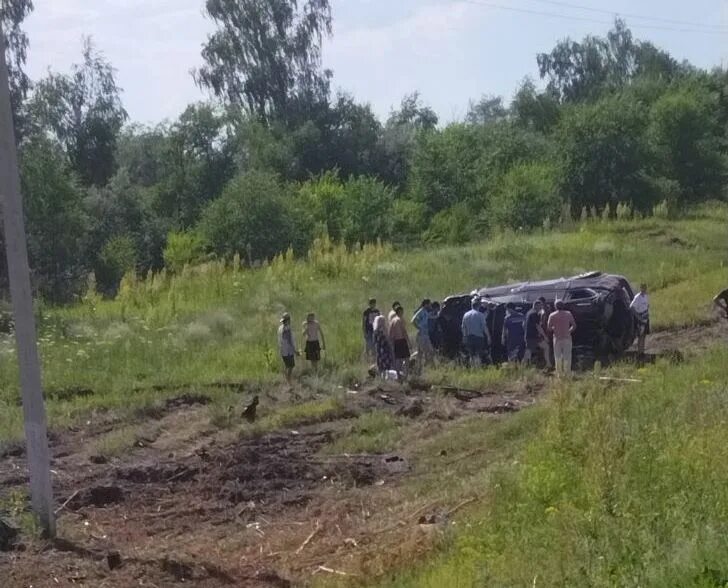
[
  {"x": 598, "y": 486},
  {"x": 612, "y": 486},
  {"x": 214, "y": 324}
]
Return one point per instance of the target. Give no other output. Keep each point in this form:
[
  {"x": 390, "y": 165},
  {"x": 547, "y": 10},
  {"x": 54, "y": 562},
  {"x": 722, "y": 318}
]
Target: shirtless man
[{"x": 313, "y": 335}]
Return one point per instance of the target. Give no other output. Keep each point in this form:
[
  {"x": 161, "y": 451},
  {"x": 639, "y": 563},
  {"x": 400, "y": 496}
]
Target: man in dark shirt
[
  {"x": 370, "y": 313},
  {"x": 536, "y": 339},
  {"x": 513, "y": 333}
]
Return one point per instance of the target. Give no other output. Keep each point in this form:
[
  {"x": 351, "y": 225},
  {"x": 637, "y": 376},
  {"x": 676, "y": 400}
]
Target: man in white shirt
[{"x": 640, "y": 308}]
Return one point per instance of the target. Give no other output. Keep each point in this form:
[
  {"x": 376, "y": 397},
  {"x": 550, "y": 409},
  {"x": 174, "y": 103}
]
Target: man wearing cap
[
  {"x": 287, "y": 346},
  {"x": 640, "y": 308},
  {"x": 513, "y": 338},
  {"x": 476, "y": 336},
  {"x": 561, "y": 325}
]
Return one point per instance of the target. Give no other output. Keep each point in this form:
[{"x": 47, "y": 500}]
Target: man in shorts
[
  {"x": 287, "y": 346},
  {"x": 313, "y": 335}
]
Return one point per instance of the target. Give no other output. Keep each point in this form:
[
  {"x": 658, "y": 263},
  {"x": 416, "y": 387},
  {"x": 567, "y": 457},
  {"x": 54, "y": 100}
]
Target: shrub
[
  {"x": 453, "y": 226},
  {"x": 408, "y": 221},
  {"x": 367, "y": 205},
  {"x": 526, "y": 197},
  {"x": 323, "y": 200},
  {"x": 118, "y": 256},
  {"x": 183, "y": 248},
  {"x": 255, "y": 210}
]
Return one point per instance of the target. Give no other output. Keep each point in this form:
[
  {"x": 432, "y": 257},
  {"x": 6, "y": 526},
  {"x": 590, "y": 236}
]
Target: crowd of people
[{"x": 541, "y": 334}]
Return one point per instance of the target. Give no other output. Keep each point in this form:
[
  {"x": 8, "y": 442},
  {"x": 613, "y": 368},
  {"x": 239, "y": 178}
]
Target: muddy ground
[{"x": 194, "y": 504}]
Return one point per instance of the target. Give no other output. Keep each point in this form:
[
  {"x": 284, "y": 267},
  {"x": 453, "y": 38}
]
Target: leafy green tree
[
  {"x": 578, "y": 71},
  {"x": 142, "y": 152},
  {"x": 12, "y": 15},
  {"x": 602, "y": 156},
  {"x": 453, "y": 226},
  {"x": 486, "y": 110},
  {"x": 526, "y": 196},
  {"x": 686, "y": 139},
  {"x": 55, "y": 217},
  {"x": 266, "y": 55},
  {"x": 399, "y": 138},
  {"x": 408, "y": 221},
  {"x": 533, "y": 110},
  {"x": 324, "y": 200},
  {"x": 464, "y": 163},
  {"x": 83, "y": 111},
  {"x": 368, "y": 203},
  {"x": 255, "y": 210},
  {"x": 123, "y": 209},
  {"x": 117, "y": 257},
  {"x": 445, "y": 167},
  {"x": 197, "y": 161},
  {"x": 183, "y": 248}
]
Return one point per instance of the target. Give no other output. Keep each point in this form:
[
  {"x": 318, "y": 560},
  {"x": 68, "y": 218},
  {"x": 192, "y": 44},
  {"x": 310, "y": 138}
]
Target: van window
[{"x": 581, "y": 294}]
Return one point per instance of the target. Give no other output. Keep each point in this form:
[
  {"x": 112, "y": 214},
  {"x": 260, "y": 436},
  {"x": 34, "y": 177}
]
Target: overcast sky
[{"x": 451, "y": 51}]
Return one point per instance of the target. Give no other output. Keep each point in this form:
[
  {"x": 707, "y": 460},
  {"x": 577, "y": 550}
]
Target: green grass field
[
  {"x": 601, "y": 484},
  {"x": 213, "y": 323}
]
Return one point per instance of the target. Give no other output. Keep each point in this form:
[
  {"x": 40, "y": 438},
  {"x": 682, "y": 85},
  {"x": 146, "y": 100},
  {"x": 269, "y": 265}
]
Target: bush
[
  {"x": 526, "y": 197},
  {"x": 602, "y": 156},
  {"x": 183, "y": 248},
  {"x": 685, "y": 138},
  {"x": 453, "y": 226},
  {"x": 408, "y": 221},
  {"x": 367, "y": 205},
  {"x": 256, "y": 211},
  {"x": 323, "y": 200},
  {"x": 117, "y": 257}
]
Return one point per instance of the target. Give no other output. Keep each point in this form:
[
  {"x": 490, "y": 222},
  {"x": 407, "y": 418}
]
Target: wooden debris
[{"x": 309, "y": 538}]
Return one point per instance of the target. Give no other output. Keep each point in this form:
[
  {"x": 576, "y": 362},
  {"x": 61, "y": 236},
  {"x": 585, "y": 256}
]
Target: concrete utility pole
[{"x": 36, "y": 435}]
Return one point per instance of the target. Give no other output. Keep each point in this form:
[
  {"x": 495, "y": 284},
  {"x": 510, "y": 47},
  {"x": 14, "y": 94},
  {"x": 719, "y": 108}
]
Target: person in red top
[{"x": 561, "y": 325}]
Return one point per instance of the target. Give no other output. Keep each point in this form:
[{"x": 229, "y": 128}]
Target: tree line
[{"x": 275, "y": 158}]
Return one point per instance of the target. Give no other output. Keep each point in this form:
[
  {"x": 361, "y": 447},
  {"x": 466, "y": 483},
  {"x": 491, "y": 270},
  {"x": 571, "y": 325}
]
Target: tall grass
[
  {"x": 618, "y": 486},
  {"x": 217, "y": 321}
]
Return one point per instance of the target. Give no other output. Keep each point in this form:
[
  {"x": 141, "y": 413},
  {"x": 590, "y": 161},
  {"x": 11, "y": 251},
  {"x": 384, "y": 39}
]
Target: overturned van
[{"x": 599, "y": 302}]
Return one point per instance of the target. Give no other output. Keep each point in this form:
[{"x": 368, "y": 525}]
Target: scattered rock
[
  {"x": 98, "y": 459},
  {"x": 113, "y": 560},
  {"x": 98, "y": 496},
  {"x": 413, "y": 410},
  {"x": 394, "y": 464},
  {"x": 8, "y": 536},
  {"x": 154, "y": 474},
  {"x": 181, "y": 571}
]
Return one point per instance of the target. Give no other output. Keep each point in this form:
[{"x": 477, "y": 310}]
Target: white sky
[{"x": 450, "y": 50}]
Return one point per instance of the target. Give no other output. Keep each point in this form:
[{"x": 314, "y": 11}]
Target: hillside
[{"x": 527, "y": 482}]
